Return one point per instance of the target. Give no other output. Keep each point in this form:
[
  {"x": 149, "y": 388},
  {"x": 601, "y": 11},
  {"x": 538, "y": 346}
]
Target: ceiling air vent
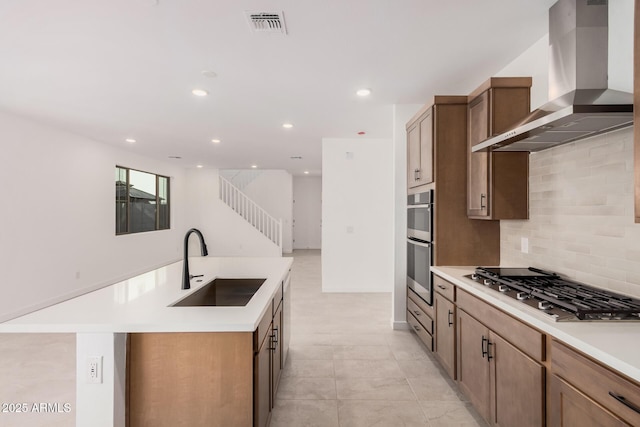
[{"x": 267, "y": 22}]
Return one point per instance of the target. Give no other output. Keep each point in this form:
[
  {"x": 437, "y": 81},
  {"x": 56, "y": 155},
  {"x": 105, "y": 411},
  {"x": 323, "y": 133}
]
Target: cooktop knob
[
  {"x": 474, "y": 276},
  {"x": 544, "y": 305},
  {"x": 522, "y": 295},
  {"x": 503, "y": 288},
  {"x": 488, "y": 282}
]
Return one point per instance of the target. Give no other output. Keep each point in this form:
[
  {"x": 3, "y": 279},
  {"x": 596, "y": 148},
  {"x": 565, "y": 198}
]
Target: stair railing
[{"x": 251, "y": 211}]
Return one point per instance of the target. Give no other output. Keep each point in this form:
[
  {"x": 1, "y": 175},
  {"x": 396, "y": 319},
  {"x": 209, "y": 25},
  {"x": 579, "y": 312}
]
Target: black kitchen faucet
[{"x": 186, "y": 277}]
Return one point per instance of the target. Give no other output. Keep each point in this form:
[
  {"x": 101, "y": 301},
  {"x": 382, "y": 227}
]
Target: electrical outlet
[
  {"x": 94, "y": 370},
  {"x": 524, "y": 245}
]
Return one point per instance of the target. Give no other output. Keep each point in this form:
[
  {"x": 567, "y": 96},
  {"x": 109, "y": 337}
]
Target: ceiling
[{"x": 116, "y": 69}]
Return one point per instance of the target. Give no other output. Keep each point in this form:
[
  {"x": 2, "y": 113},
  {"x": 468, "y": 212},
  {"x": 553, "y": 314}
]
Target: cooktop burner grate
[{"x": 561, "y": 298}]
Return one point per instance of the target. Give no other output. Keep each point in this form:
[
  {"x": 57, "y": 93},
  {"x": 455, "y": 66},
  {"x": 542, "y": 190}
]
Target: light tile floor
[{"x": 347, "y": 367}]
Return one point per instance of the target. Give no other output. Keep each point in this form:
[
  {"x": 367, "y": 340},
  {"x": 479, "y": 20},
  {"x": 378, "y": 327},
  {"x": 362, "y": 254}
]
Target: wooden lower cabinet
[
  {"x": 276, "y": 352},
  {"x": 571, "y": 408},
  {"x": 420, "y": 318},
  {"x": 262, "y": 383},
  {"x": 473, "y": 367},
  {"x": 190, "y": 379},
  {"x": 505, "y": 385},
  {"x": 206, "y": 378},
  {"x": 582, "y": 388},
  {"x": 445, "y": 347}
]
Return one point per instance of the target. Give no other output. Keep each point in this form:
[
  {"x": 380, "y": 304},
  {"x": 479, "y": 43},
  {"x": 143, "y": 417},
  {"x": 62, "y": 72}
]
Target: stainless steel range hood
[{"x": 582, "y": 103}]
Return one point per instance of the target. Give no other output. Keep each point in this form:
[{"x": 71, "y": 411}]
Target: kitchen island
[{"x": 166, "y": 365}]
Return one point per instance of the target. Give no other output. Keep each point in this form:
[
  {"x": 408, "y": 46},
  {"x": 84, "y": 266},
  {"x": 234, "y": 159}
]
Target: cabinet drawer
[
  {"x": 444, "y": 288},
  {"x": 426, "y": 308},
  {"x": 597, "y": 382},
  {"x": 526, "y": 339},
  {"x": 420, "y": 331},
  {"x": 421, "y": 316}
]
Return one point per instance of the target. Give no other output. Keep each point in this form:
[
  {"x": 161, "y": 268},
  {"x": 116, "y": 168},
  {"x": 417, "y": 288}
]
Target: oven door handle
[{"x": 417, "y": 243}]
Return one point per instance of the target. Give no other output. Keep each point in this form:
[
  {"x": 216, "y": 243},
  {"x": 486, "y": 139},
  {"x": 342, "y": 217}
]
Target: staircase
[{"x": 269, "y": 226}]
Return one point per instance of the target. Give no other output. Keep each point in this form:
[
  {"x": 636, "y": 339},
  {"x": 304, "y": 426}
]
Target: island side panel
[{"x": 190, "y": 379}]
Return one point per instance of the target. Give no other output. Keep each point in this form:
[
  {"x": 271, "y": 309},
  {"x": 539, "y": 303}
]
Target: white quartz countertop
[
  {"x": 142, "y": 303},
  {"x": 616, "y": 344}
]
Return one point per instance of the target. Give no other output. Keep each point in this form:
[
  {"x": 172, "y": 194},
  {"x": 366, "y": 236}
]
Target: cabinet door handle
[
  {"x": 416, "y": 312},
  {"x": 484, "y": 342},
  {"x": 417, "y": 328},
  {"x": 442, "y": 287},
  {"x": 625, "y": 402},
  {"x": 483, "y": 198},
  {"x": 489, "y": 356},
  {"x": 275, "y": 336},
  {"x": 449, "y": 317},
  {"x": 416, "y": 174}
]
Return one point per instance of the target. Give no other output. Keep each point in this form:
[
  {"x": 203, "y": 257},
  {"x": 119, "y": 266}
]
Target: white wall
[
  {"x": 357, "y": 215},
  {"x": 533, "y": 62},
  {"x": 226, "y": 233},
  {"x": 273, "y": 191},
  {"x": 307, "y": 212},
  {"x": 58, "y": 217}
]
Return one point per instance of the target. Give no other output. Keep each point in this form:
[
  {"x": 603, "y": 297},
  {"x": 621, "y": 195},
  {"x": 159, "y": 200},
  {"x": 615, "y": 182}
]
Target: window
[{"x": 142, "y": 201}]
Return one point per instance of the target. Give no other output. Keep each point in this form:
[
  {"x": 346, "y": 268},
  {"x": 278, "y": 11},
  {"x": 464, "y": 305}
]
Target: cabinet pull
[
  {"x": 275, "y": 336},
  {"x": 442, "y": 287},
  {"x": 483, "y": 197},
  {"x": 625, "y": 402},
  {"x": 489, "y": 356},
  {"x": 484, "y": 351},
  {"x": 416, "y": 174},
  {"x": 417, "y": 328},
  {"x": 449, "y": 317},
  {"x": 416, "y": 312}
]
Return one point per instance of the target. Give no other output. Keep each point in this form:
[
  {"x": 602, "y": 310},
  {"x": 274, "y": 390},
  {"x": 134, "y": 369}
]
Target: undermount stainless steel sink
[{"x": 222, "y": 292}]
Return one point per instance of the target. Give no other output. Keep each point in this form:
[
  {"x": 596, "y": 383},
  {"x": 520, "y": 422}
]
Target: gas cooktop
[{"x": 561, "y": 299}]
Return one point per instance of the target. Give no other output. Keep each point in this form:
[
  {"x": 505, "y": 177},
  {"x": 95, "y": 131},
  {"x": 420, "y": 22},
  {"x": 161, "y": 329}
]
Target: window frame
[{"x": 127, "y": 202}]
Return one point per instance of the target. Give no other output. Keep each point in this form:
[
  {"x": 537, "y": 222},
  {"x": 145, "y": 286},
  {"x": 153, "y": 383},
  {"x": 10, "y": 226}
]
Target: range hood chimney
[{"x": 582, "y": 103}]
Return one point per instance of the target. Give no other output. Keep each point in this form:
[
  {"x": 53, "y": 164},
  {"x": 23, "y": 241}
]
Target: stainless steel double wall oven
[{"x": 420, "y": 243}]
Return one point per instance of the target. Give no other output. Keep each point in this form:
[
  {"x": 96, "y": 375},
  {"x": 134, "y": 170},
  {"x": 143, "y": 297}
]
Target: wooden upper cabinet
[
  {"x": 636, "y": 103},
  {"x": 420, "y": 149},
  {"x": 497, "y": 182}
]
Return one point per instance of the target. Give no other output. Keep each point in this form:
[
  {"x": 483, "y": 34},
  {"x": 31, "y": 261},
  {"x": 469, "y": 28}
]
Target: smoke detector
[{"x": 267, "y": 22}]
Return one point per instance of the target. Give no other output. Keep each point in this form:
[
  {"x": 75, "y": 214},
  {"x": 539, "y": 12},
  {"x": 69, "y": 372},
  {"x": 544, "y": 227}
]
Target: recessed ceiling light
[
  {"x": 199, "y": 166},
  {"x": 130, "y": 140},
  {"x": 175, "y": 157},
  {"x": 210, "y": 74},
  {"x": 200, "y": 92},
  {"x": 363, "y": 92},
  {"x": 306, "y": 172},
  {"x": 215, "y": 141},
  {"x": 287, "y": 125},
  {"x": 254, "y": 166}
]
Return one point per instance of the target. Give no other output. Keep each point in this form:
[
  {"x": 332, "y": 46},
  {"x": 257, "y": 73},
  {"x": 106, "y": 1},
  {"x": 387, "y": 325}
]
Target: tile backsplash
[{"x": 581, "y": 214}]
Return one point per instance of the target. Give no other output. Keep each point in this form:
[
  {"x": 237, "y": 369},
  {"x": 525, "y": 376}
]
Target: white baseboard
[{"x": 400, "y": 325}]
